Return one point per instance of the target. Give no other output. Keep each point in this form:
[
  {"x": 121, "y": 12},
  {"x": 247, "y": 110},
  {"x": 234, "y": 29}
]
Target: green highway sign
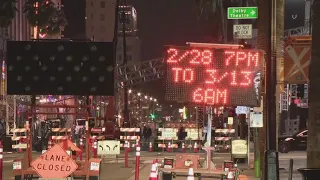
[{"x": 242, "y": 13}]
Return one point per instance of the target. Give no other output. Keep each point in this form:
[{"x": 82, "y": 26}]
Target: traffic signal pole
[{"x": 271, "y": 161}]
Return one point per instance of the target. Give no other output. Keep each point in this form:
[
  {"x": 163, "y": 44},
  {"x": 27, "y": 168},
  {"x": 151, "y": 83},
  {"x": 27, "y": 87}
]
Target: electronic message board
[{"x": 213, "y": 76}]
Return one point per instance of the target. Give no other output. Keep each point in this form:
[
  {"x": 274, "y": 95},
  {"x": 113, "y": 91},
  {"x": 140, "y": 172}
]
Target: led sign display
[{"x": 213, "y": 76}]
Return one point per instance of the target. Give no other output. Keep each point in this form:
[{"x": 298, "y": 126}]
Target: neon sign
[{"x": 213, "y": 76}]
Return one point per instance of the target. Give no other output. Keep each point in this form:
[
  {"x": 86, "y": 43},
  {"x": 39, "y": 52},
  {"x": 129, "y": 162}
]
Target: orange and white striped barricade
[
  {"x": 131, "y": 135},
  {"x": 223, "y": 139},
  {"x": 168, "y": 138},
  {"x": 194, "y": 135},
  {"x": 19, "y": 139},
  {"x": 60, "y": 134}
]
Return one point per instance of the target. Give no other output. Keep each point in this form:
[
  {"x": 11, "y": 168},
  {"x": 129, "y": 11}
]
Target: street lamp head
[
  {"x": 146, "y": 97},
  {"x": 155, "y": 100},
  {"x": 130, "y": 91},
  {"x": 139, "y": 94},
  {"x": 151, "y": 98}
]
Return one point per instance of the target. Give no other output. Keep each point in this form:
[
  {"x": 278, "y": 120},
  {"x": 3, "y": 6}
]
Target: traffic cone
[
  {"x": 183, "y": 148},
  {"x": 195, "y": 148},
  {"x": 190, "y": 174},
  {"x": 153, "y": 173},
  {"x": 230, "y": 175},
  {"x": 169, "y": 147},
  {"x": 150, "y": 147}
]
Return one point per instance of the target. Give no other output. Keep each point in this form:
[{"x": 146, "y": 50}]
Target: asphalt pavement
[{"x": 113, "y": 169}]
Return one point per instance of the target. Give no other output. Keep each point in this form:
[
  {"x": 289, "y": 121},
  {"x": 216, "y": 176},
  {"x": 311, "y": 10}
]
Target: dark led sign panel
[
  {"x": 60, "y": 68},
  {"x": 213, "y": 76}
]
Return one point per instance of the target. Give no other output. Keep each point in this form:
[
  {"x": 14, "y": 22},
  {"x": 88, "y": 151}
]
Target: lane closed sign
[{"x": 242, "y": 31}]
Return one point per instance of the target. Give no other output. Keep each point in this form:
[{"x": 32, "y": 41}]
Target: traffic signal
[
  {"x": 300, "y": 90},
  {"x": 152, "y": 116}
]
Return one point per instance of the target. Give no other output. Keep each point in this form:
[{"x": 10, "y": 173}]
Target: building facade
[
  {"x": 101, "y": 23},
  {"x": 133, "y": 50},
  {"x": 100, "y": 20}
]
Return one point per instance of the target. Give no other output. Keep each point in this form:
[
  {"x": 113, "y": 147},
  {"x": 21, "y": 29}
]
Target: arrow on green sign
[{"x": 242, "y": 13}]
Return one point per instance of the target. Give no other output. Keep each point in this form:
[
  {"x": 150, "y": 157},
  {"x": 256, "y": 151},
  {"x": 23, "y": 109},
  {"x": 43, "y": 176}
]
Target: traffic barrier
[
  {"x": 1, "y": 160},
  {"x": 130, "y": 135},
  {"x": 137, "y": 170},
  {"x": 82, "y": 149},
  {"x": 150, "y": 147},
  {"x": 153, "y": 173},
  {"x": 60, "y": 134},
  {"x": 95, "y": 149},
  {"x": 19, "y": 138},
  {"x": 50, "y": 143},
  {"x": 190, "y": 174},
  {"x": 223, "y": 139}
]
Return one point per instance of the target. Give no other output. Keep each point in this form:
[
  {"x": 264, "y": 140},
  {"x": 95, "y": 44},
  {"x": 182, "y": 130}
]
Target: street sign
[
  {"x": 54, "y": 163},
  {"x": 108, "y": 147},
  {"x": 242, "y": 13},
  {"x": 242, "y": 31}
]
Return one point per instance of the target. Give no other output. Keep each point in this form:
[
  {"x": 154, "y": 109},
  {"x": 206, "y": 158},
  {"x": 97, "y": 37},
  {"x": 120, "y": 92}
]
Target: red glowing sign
[{"x": 213, "y": 76}]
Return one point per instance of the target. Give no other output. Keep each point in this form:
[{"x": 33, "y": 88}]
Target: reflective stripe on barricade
[{"x": 19, "y": 139}]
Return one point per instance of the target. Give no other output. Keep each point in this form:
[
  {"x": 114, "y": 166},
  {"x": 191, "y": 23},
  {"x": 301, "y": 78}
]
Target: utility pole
[{"x": 124, "y": 20}]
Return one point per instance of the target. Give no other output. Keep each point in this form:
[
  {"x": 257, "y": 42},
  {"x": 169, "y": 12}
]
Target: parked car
[{"x": 298, "y": 141}]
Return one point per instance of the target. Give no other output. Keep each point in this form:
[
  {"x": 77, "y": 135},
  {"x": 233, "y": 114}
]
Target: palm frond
[
  {"x": 7, "y": 12},
  {"x": 39, "y": 12}
]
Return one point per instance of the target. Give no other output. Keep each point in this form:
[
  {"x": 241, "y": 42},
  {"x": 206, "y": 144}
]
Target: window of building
[
  {"x": 102, "y": 28},
  {"x": 129, "y": 48},
  {"x": 119, "y": 57},
  {"x": 129, "y": 57},
  {"x": 102, "y": 17},
  {"x": 102, "y": 4}
]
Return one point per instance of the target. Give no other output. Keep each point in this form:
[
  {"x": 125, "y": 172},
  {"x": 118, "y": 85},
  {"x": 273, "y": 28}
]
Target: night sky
[{"x": 160, "y": 23}]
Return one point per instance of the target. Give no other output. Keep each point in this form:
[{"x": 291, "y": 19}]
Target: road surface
[{"x": 114, "y": 169}]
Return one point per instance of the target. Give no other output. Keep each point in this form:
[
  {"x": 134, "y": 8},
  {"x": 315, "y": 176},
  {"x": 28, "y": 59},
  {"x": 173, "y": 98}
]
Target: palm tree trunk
[{"x": 313, "y": 148}]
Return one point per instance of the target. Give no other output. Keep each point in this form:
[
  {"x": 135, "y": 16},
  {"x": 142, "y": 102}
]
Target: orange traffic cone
[
  {"x": 230, "y": 175},
  {"x": 195, "y": 148},
  {"x": 183, "y": 148},
  {"x": 190, "y": 174},
  {"x": 153, "y": 173},
  {"x": 150, "y": 147}
]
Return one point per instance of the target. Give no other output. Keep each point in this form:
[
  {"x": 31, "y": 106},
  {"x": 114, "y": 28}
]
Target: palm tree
[
  {"x": 313, "y": 148},
  {"x": 44, "y": 15},
  {"x": 7, "y": 14}
]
